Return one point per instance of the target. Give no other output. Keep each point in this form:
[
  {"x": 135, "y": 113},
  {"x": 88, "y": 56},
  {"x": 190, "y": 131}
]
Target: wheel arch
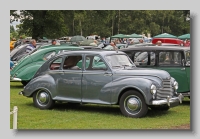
[
  {"x": 131, "y": 88},
  {"x": 41, "y": 88}
]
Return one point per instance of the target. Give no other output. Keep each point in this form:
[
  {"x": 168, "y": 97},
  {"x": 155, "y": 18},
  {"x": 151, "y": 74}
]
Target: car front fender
[{"x": 142, "y": 85}]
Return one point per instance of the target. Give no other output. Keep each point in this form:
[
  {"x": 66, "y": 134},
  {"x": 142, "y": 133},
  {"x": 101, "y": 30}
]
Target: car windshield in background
[{"x": 118, "y": 61}]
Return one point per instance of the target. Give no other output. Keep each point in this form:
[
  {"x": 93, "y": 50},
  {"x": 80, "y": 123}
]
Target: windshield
[
  {"x": 187, "y": 58},
  {"x": 116, "y": 61}
]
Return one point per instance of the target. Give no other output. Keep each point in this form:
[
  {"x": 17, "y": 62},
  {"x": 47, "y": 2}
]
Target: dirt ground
[{"x": 187, "y": 126}]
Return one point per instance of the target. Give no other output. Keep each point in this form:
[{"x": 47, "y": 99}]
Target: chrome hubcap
[
  {"x": 133, "y": 105},
  {"x": 42, "y": 98}
]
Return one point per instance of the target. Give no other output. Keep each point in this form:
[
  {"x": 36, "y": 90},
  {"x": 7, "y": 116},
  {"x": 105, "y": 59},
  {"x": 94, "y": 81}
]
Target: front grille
[{"x": 166, "y": 91}]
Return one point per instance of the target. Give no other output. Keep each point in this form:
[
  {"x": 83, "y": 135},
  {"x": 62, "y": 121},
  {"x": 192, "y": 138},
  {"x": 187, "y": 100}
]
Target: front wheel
[
  {"x": 42, "y": 99},
  {"x": 132, "y": 104}
]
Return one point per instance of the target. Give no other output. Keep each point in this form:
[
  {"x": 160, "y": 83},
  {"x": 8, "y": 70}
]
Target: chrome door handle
[
  {"x": 108, "y": 74},
  {"x": 183, "y": 69}
]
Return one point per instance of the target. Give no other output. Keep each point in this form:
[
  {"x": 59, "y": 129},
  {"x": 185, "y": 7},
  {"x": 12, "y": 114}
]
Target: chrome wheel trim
[
  {"x": 42, "y": 98},
  {"x": 132, "y": 104}
]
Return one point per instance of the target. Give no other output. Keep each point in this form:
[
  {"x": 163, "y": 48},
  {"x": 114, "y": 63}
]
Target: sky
[{"x": 15, "y": 22}]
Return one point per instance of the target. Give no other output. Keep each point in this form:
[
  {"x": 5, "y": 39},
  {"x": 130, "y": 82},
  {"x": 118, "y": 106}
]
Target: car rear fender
[
  {"x": 46, "y": 82},
  {"x": 27, "y": 73}
]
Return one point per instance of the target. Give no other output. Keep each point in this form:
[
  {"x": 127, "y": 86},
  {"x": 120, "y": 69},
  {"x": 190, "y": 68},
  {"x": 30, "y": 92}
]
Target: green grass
[{"x": 90, "y": 116}]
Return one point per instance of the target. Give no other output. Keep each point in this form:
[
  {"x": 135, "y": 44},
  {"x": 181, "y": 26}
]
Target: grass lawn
[{"x": 91, "y": 116}]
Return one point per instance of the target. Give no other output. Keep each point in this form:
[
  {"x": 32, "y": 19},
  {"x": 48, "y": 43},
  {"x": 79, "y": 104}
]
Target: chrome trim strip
[
  {"x": 141, "y": 75},
  {"x": 95, "y": 72}
]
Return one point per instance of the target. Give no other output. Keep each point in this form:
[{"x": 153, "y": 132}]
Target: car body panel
[{"x": 180, "y": 72}]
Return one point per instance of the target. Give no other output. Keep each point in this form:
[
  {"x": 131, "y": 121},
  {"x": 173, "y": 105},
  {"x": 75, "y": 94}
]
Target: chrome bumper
[
  {"x": 185, "y": 94},
  {"x": 15, "y": 80},
  {"x": 169, "y": 100}
]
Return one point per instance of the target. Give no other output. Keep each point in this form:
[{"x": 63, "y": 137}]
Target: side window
[
  {"x": 177, "y": 58},
  {"x": 144, "y": 58},
  {"x": 55, "y": 65},
  {"x": 73, "y": 62},
  {"x": 49, "y": 55},
  {"x": 170, "y": 58},
  {"x": 95, "y": 63}
]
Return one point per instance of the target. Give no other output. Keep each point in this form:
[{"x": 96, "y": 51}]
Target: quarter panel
[{"x": 41, "y": 82}]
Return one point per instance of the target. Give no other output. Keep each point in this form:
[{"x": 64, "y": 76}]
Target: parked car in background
[
  {"x": 12, "y": 43},
  {"x": 20, "y": 51},
  {"x": 25, "y": 69},
  {"x": 110, "y": 78},
  {"x": 173, "y": 59},
  {"x": 168, "y": 40},
  {"x": 140, "y": 45},
  {"x": 119, "y": 46}
]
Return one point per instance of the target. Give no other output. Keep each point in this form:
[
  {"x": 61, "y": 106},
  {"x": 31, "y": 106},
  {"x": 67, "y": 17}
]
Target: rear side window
[
  {"x": 170, "y": 58},
  {"x": 144, "y": 58},
  {"x": 55, "y": 65},
  {"x": 73, "y": 62}
]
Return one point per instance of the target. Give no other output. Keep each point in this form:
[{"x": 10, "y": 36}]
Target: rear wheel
[
  {"x": 42, "y": 99},
  {"x": 132, "y": 104}
]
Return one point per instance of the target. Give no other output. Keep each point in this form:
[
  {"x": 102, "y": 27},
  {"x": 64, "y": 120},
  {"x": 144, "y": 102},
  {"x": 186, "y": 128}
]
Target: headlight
[
  {"x": 153, "y": 89},
  {"x": 176, "y": 85}
]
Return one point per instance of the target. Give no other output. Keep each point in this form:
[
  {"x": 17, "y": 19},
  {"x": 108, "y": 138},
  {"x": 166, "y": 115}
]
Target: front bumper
[{"x": 169, "y": 100}]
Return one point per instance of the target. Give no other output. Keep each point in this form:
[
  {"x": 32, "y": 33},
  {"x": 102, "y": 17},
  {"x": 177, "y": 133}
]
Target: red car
[{"x": 168, "y": 40}]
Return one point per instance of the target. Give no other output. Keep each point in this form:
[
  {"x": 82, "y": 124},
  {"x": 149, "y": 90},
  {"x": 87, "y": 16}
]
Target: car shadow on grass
[
  {"x": 104, "y": 109},
  {"x": 186, "y": 102},
  {"x": 16, "y": 86}
]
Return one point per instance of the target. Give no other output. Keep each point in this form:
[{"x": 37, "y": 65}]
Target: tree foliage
[{"x": 58, "y": 23}]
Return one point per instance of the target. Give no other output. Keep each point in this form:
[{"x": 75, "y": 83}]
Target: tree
[
  {"x": 105, "y": 23},
  {"x": 40, "y": 23},
  {"x": 12, "y": 29}
]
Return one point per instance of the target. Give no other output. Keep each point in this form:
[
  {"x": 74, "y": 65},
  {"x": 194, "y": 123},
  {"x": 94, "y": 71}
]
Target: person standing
[
  {"x": 113, "y": 44},
  {"x": 31, "y": 46}
]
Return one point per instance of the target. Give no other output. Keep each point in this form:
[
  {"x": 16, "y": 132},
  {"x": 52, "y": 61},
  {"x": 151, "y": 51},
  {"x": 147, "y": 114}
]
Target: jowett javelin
[{"x": 102, "y": 77}]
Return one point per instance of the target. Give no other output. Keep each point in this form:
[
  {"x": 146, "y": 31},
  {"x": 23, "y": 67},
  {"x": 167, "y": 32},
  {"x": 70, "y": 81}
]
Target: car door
[
  {"x": 95, "y": 78},
  {"x": 171, "y": 61},
  {"x": 69, "y": 82}
]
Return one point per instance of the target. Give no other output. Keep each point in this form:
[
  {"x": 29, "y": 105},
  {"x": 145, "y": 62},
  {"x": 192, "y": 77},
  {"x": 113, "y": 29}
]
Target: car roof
[
  {"x": 102, "y": 52},
  {"x": 156, "y": 48}
]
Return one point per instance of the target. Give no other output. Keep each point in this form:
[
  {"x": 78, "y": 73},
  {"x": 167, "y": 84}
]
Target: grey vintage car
[{"x": 102, "y": 77}]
